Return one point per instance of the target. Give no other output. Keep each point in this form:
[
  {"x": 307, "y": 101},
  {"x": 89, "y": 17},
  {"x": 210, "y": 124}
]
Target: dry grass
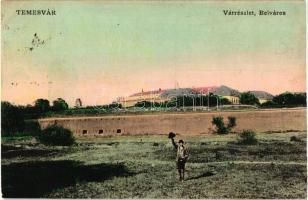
[{"x": 144, "y": 167}]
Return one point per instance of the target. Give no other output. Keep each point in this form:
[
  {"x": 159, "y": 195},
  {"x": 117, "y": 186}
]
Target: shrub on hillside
[
  {"x": 221, "y": 128},
  {"x": 248, "y": 137},
  {"x": 56, "y": 136}
]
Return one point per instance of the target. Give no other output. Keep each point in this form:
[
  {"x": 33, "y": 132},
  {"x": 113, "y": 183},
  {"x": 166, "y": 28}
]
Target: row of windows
[
  {"x": 234, "y": 101},
  {"x": 100, "y": 131}
]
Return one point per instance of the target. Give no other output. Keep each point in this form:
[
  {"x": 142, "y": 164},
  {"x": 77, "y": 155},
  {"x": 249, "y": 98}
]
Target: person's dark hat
[
  {"x": 181, "y": 141},
  {"x": 171, "y": 135}
]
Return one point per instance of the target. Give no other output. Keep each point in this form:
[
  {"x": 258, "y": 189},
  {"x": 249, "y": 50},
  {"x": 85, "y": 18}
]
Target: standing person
[{"x": 181, "y": 157}]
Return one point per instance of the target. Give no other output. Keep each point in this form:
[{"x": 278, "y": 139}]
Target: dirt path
[
  {"x": 259, "y": 162},
  {"x": 154, "y": 162}
]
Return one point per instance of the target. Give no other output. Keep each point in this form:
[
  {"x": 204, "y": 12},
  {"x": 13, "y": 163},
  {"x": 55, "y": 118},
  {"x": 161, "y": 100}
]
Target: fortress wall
[{"x": 181, "y": 123}]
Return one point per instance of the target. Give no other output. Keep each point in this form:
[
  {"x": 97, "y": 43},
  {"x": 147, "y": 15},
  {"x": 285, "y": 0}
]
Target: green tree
[
  {"x": 115, "y": 105},
  {"x": 169, "y": 104},
  {"x": 224, "y": 101},
  {"x": 198, "y": 100},
  {"x": 42, "y": 105},
  {"x": 249, "y": 99},
  {"x": 290, "y": 99},
  {"x": 148, "y": 104},
  {"x": 59, "y": 105},
  {"x": 213, "y": 99},
  {"x": 221, "y": 128},
  {"x": 12, "y": 120}
]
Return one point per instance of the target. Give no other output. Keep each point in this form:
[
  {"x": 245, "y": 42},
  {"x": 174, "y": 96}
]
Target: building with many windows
[{"x": 160, "y": 95}]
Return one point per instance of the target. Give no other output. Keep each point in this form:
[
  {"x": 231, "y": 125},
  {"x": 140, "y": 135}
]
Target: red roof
[{"x": 148, "y": 92}]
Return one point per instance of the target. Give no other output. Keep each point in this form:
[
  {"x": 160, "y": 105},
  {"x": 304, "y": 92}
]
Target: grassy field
[{"x": 144, "y": 167}]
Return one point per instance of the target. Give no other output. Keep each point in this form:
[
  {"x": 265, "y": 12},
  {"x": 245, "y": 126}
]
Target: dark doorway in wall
[
  {"x": 84, "y": 132},
  {"x": 119, "y": 130},
  {"x": 100, "y": 131}
]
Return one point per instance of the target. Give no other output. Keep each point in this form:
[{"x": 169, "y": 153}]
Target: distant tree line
[
  {"x": 15, "y": 118},
  {"x": 41, "y": 107},
  {"x": 286, "y": 99},
  {"x": 12, "y": 119}
]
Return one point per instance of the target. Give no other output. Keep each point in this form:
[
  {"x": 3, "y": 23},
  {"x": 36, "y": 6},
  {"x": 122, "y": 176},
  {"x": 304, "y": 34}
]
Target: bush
[
  {"x": 56, "y": 136},
  {"x": 270, "y": 104},
  {"x": 248, "y": 137},
  {"x": 220, "y": 125},
  {"x": 155, "y": 144},
  {"x": 295, "y": 139},
  {"x": 32, "y": 127},
  {"x": 232, "y": 122}
]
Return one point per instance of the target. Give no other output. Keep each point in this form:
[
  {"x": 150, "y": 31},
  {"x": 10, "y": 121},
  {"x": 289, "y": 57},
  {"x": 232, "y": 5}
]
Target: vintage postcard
[{"x": 153, "y": 99}]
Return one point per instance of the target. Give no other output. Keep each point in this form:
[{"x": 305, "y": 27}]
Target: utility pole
[
  {"x": 183, "y": 103},
  {"x": 193, "y": 103}
]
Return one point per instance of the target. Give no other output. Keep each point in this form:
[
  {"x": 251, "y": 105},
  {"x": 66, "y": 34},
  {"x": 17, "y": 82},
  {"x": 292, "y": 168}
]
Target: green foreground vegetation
[{"x": 144, "y": 167}]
